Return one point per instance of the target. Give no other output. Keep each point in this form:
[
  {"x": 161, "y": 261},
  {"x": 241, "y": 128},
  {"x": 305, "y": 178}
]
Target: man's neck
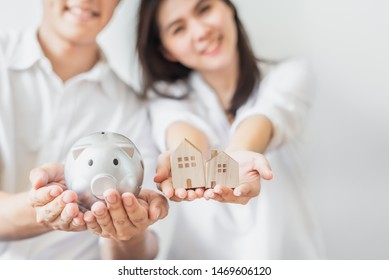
[{"x": 68, "y": 59}]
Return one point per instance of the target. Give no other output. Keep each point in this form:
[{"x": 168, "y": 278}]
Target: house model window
[
  {"x": 186, "y": 162},
  {"x": 221, "y": 168}
]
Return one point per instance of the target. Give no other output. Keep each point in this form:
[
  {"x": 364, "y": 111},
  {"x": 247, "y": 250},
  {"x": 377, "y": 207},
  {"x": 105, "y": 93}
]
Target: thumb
[
  {"x": 263, "y": 167},
  {"x": 163, "y": 167}
]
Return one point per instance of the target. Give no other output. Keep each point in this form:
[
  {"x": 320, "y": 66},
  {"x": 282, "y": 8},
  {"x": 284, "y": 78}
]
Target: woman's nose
[{"x": 199, "y": 30}]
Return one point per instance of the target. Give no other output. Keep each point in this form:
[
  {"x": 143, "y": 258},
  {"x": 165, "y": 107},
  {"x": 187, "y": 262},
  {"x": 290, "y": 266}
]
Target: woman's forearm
[
  {"x": 178, "y": 131},
  {"x": 253, "y": 134}
]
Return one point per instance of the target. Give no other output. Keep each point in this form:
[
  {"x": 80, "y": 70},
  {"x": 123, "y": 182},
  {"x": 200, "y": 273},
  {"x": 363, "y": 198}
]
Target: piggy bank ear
[
  {"x": 129, "y": 150},
  {"x": 76, "y": 151}
]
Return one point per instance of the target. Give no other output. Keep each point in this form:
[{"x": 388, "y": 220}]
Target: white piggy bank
[{"x": 101, "y": 161}]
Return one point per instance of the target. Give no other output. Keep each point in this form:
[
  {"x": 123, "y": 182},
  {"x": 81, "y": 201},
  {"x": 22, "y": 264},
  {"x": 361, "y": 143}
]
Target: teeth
[
  {"x": 212, "y": 46},
  {"x": 80, "y": 12}
]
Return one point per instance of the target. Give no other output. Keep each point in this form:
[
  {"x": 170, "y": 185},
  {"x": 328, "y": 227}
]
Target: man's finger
[
  {"x": 51, "y": 211},
  {"x": 91, "y": 223},
  {"x": 103, "y": 218},
  {"x": 78, "y": 223},
  {"x": 117, "y": 211},
  {"x": 50, "y": 172},
  {"x": 69, "y": 212},
  {"x": 137, "y": 214},
  {"x": 158, "y": 206},
  {"x": 42, "y": 196}
]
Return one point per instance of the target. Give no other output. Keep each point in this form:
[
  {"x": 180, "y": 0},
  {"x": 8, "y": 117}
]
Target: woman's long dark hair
[{"x": 157, "y": 68}]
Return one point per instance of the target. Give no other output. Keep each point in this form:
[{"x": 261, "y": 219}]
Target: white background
[{"x": 347, "y": 44}]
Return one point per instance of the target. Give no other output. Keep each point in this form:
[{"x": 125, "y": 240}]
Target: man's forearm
[
  {"x": 18, "y": 220},
  {"x": 143, "y": 246}
]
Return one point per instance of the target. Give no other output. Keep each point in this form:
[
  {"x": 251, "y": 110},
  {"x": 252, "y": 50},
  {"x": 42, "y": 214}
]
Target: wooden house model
[
  {"x": 221, "y": 169},
  {"x": 187, "y": 166}
]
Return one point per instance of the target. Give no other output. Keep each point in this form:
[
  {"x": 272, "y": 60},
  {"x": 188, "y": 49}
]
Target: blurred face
[
  {"x": 78, "y": 21},
  {"x": 200, "y": 34}
]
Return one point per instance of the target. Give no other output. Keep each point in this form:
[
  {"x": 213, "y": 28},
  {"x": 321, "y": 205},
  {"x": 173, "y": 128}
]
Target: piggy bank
[{"x": 101, "y": 161}]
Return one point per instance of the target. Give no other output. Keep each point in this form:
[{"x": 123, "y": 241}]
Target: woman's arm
[
  {"x": 276, "y": 117},
  {"x": 249, "y": 141},
  {"x": 253, "y": 134},
  {"x": 178, "y": 131},
  {"x": 175, "y": 134}
]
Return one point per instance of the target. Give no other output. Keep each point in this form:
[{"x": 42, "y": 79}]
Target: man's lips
[{"x": 82, "y": 13}]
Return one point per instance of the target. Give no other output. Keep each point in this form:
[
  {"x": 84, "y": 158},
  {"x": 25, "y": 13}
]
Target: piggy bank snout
[{"x": 102, "y": 182}]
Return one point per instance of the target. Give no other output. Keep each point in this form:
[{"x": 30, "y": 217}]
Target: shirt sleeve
[
  {"x": 165, "y": 111},
  {"x": 284, "y": 97}
]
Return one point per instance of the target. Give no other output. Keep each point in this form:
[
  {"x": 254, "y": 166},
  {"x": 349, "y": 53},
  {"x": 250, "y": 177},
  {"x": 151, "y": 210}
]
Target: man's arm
[
  {"x": 143, "y": 246},
  {"x": 123, "y": 221},
  {"x": 18, "y": 220},
  {"x": 55, "y": 206}
]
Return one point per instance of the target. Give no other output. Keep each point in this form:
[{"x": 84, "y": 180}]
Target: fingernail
[
  {"x": 88, "y": 217},
  {"x": 127, "y": 201},
  {"x": 238, "y": 193},
  {"x": 55, "y": 192},
  {"x": 77, "y": 222},
  {"x": 69, "y": 211},
  {"x": 217, "y": 189},
  {"x": 181, "y": 195},
  {"x": 99, "y": 212},
  {"x": 67, "y": 198},
  {"x": 111, "y": 198},
  {"x": 211, "y": 195},
  {"x": 34, "y": 179},
  {"x": 158, "y": 213}
]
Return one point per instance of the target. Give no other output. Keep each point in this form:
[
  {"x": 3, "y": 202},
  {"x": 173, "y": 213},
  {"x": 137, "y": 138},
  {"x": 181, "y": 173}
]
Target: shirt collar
[
  {"x": 27, "y": 51},
  {"x": 208, "y": 96},
  {"x": 203, "y": 90}
]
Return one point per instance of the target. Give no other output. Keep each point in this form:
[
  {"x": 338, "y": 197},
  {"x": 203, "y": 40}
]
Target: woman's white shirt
[{"x": 279, "y": 224}]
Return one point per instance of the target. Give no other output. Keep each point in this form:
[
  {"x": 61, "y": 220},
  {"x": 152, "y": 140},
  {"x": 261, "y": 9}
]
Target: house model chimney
[{"x": 213, "y": 153}]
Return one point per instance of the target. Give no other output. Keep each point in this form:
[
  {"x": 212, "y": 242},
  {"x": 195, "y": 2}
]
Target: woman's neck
[
  {"x": 224, "y": 83},
  {"x": 67, "y": 59}
]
